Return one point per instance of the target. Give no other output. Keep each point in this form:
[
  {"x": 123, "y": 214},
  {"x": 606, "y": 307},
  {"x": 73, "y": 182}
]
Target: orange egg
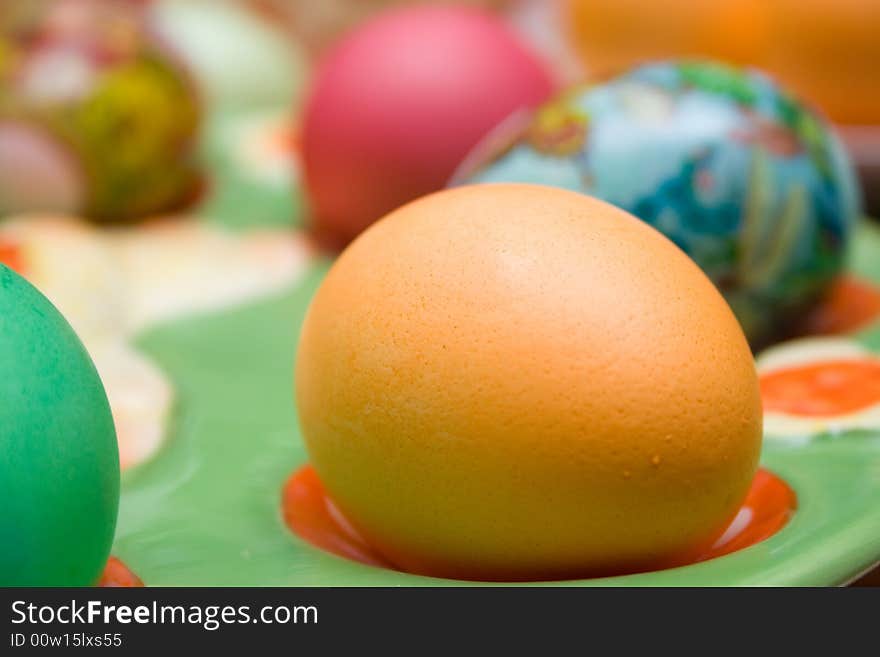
[{"x": 519, "y": 382}]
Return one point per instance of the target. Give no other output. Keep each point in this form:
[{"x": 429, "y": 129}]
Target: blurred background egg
[
  {"x": 825, "y": 49},
  {"x": 239, "y": 57},
  {"x": 59, "y": 464},
  {"x": 100, "y": 115},
  {"x": 399, "y": 101},
  {"x": 614, "y": 35},
  {"x": 751, "y": 183},
  {"x": 520, "y": 382}
]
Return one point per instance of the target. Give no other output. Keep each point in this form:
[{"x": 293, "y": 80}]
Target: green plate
[{"x": 206, "y": 510}]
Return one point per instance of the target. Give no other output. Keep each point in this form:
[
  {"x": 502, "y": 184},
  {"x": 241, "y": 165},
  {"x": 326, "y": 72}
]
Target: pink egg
[
  {"x": 38, "y": 171},
  {"x": 399, "y": 102}
]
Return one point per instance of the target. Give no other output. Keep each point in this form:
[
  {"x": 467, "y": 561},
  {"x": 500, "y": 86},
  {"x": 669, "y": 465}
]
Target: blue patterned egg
[{"x": 748, "y": 181}]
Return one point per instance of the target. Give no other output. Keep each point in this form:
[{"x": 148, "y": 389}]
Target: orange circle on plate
[
  {"x": 10, "y": 255},
  {"x": 822, "y": 389},
  {"x": 117, "y": 575},
  {"x": 310, "y": 514}
]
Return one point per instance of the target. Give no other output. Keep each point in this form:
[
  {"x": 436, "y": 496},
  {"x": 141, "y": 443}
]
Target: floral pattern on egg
[{"x": 748, "y": 181}]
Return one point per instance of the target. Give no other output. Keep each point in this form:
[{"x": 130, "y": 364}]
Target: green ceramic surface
[
  {"x": 206, "y": 510},
  {"x": 59, "y": 465}
]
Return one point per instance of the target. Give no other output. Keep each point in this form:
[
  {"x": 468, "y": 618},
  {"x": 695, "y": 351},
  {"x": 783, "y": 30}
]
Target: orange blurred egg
[
  {"x": 613, "y": 35},
  {"x": 826, "y": 50},
  {"x": 513, "y": 382}
]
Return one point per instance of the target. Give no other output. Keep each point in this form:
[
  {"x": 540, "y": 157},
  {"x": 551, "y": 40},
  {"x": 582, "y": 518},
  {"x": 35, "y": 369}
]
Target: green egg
[{"x": 59, "y": 461}]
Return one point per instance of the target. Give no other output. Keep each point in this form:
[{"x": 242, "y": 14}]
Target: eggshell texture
[
  {"x": 400, "y": 101},
  {"x": 519, "y": 382},
  {"x": 59, "y": 464}
]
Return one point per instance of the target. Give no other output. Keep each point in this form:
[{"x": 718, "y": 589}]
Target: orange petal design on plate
[
  {"x": 823, "y": 389},
  {"x": 10, "y": 255},
  {"x": 117, "y": 575},
  {"x": 851, "y": 304},
  {"x": 310, "y": 514}
]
